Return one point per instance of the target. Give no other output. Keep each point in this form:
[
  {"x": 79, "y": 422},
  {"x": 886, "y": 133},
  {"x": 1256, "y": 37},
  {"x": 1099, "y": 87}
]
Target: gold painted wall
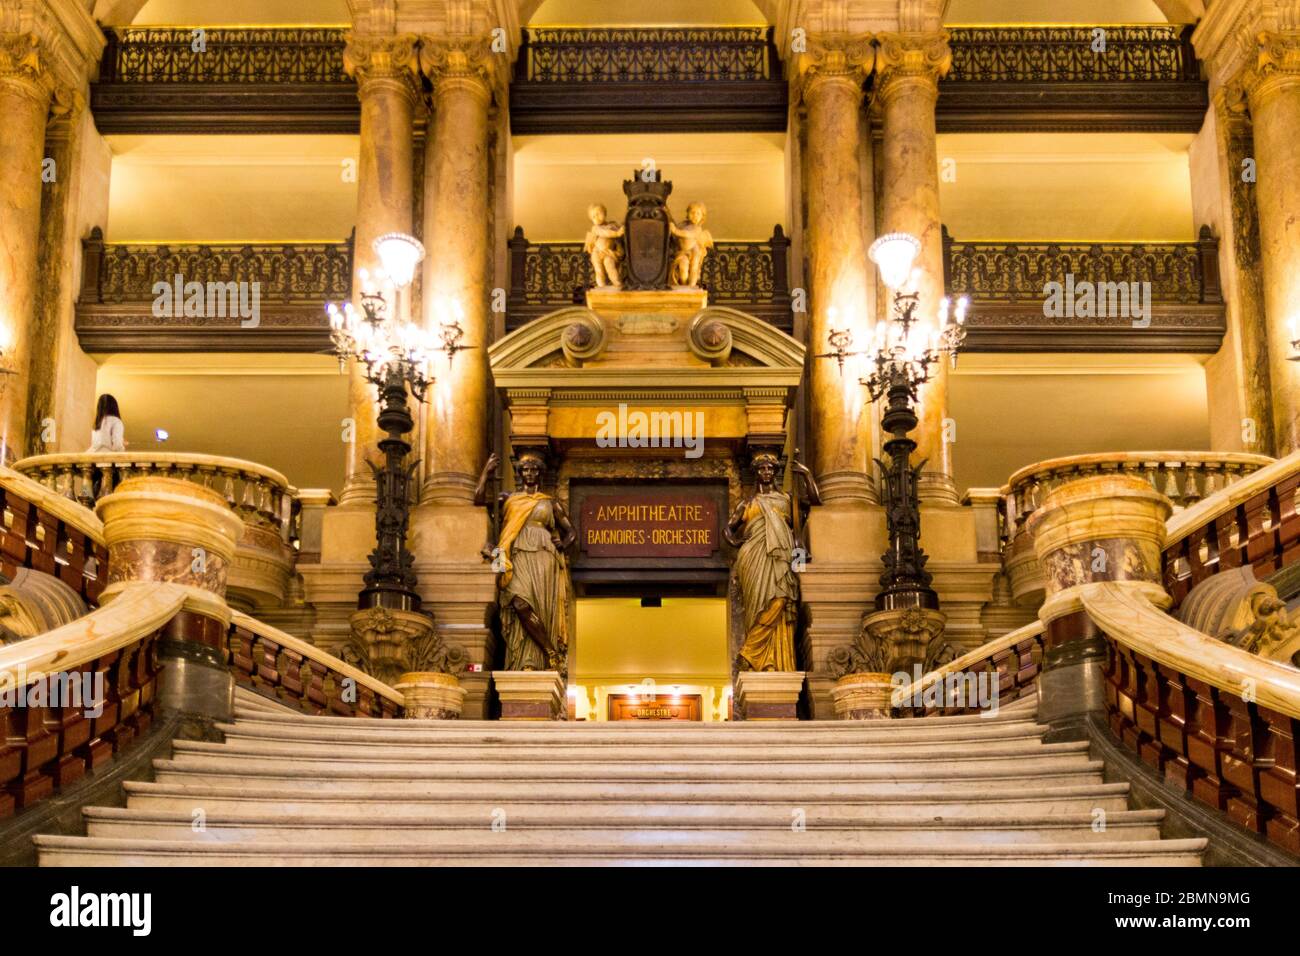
[
  {"x": 1052, "y": 11},
  {"x": 561, "y": 13}
]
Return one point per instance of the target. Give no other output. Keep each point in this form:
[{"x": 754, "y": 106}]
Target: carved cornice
[
  {"x": 465, "y": 64},
  {"x": 908, "y": 59},
  {"x": 383, "y": 62},
  {"x": 1228, "y": 38},
  {"x": 833, "y": 60}
]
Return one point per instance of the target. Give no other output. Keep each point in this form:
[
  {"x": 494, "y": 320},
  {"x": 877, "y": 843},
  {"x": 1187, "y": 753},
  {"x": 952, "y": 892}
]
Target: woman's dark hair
[{"x": 107, "y": 406}]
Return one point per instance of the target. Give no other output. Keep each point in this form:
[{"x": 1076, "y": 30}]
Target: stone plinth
[
  {"x": 530, "y": 695},
  {"x": 769, "y": 695},
  {"x": 431, "y": 696},
  {"x": 862, "y": 696}
]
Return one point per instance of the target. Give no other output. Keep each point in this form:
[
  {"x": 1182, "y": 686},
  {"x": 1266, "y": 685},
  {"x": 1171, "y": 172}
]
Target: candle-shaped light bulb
[
  {"x": 943, "y": 312},
  {"x": 962, "y": 303}
]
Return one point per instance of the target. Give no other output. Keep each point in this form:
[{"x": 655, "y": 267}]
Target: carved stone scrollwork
[
  {"x": 389, "y": 643},
  {"x": 583, "y": 339},
  {"x": 710, "y": 337},
  {"x": 466, "y": 64},
  {"x": 24, "y": 67},
  {"x": 925, "y": 57},
  {"x": 841, "y": 59},
  {"x": 1235, "y": 115}
]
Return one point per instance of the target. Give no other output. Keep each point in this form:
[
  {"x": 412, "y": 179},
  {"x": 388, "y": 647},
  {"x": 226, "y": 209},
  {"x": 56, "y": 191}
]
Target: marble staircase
[{"x": 286, "y": 789}]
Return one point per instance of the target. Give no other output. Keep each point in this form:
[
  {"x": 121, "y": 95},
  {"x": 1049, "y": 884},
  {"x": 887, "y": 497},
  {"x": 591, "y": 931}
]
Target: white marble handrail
[
  {"x": 979, "y": 655},
  {"x": 66, "y": 510},
  {"x": 1204, "y": 512},
  {"x": 1129, "y": 618}
]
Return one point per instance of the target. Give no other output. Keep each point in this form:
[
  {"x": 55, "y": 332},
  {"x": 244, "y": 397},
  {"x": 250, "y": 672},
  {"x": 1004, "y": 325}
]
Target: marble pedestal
[
  {"x": 431, "y": 696},
  {"x": 769, "y": 695},
  {"x": 530, "y": 695}
]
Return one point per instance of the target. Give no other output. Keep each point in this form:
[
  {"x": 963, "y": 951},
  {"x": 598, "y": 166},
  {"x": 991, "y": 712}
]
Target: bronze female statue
[
  {"x": 532, "y": 578},
  {"x": 762, "y": 526}
]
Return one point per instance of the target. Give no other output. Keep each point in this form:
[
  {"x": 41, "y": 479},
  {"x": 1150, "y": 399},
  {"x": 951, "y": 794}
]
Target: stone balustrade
[
  {"x": 1012, "y": 663},
  {"x": 262, "y": 497},
  {"x": 1184, "y": 477},
  {"x": 292, "y": 672},
  {"x": 44, "y": 531}
]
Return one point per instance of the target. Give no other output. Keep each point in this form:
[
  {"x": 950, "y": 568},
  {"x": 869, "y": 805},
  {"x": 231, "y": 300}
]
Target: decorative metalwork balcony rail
[
  {"x": 295, "y": 280},
  {"x": 1059, "y": 78},
  {"x": 152, "y": 79},
  {"x": 256, "y": 55},
  {"x": 750, "y": 276},
  {"x": 606, "y": 79},
  {"x": 1008, "y": 283},
  {"x": 1064, "y": 54},
  {"x": 640, "y": 55}
]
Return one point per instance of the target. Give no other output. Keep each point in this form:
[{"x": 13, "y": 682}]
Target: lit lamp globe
[
  {"x": 399, "y": 254},
  {"x": 893, "y": 255}
]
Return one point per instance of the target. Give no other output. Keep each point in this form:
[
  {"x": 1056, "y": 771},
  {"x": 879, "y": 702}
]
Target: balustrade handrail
[
  {"x": 60, "y": 506},
  {"x": 88, "y": 476},
  {"x": 1212, "y": 507},
  {"x": 138, "y": 610},
  {"x": 981, "y": 657},
  {"x": 1129, "y": 617},
  {"x": 1173, "y": 473},
  {"x": 315, "y": 654}
]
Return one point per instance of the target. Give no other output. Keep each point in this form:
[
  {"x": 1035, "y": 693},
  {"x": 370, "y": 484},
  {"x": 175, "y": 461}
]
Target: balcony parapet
[
  {"x": 1009, "y": 285},
  {"x": 290, "y": 283},
  {"x": 265, "y": 502}
]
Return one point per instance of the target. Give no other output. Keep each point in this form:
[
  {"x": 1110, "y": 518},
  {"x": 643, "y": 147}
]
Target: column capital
[
  {"x": 383, "y": 62},
  {"x": 840, "y": 60},
  {"x": 25, "y": 68},
  {"x": 465, "y": 63},
  {"x": 908, "y": 59},
  {"x": 1276, "y": 68}
]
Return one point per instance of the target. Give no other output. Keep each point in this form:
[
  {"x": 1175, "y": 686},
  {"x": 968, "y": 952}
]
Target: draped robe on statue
[
  {"x": 533, "y": 570},
  {"x": 768, "y": 585}
]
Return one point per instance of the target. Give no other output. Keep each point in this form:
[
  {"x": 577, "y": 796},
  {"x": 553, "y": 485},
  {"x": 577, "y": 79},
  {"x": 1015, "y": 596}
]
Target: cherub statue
[
  {"x": 604, "y": 247},
  {"x": 693, "y": 242}
]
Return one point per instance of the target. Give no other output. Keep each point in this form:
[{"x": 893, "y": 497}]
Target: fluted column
[
  {"x": 27, "y": 87},
  {"x": 1273, "y": 87},
  {"x": 908, "y": 68},
  {"x": 830, "y": 78},
  {"x": 386, "y": 71},
  {"x": 457, "y": 230}
]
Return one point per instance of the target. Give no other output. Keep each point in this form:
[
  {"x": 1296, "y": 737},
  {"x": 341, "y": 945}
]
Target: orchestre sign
[{"x": 649, "y": 524}]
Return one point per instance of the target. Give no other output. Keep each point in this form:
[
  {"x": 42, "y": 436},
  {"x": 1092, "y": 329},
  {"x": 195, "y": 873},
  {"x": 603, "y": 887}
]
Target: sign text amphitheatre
[{"x": 649, "y": 524}]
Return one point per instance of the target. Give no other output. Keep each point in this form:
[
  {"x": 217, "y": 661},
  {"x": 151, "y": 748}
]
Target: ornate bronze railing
[
  {"x": 1066, "y": 54},
  {"x": 646, "y": 55},
  {"x": 121, "y": 282},
  {"x": 750, "y": 276},
  {"x": 224, "y": 80},
  {"x": 217, "y": 55},
  {"x": 1009, "y": 285}
]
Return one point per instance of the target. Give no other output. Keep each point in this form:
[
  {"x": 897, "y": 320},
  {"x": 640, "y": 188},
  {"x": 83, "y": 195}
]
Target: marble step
[
  {"x": 495, "y": 732},
  {"x": 306, "y": 799},
  {"x": 540, "y": 766},
  {"x": 1007, "y": 714},
  {"x": 831, "y": 755},
  {"x": 704, "y": 782},
  {"x": 98, "y": 851},
  {"x": 582, "y": 827}
]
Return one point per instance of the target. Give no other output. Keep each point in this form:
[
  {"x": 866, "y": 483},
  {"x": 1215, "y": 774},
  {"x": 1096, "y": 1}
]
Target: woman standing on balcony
[{"x": 108, "y": 433}]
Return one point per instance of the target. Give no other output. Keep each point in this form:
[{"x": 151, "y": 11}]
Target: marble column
[
  {"x": 908, "y": 69},
  {"x": 1273, "y": 87},
  {"x": 458, "y": 221},
  {"x": 386, "y": 71},
  {"x": 27, "y": 88},
  {"x": 830, "y": 84}
]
